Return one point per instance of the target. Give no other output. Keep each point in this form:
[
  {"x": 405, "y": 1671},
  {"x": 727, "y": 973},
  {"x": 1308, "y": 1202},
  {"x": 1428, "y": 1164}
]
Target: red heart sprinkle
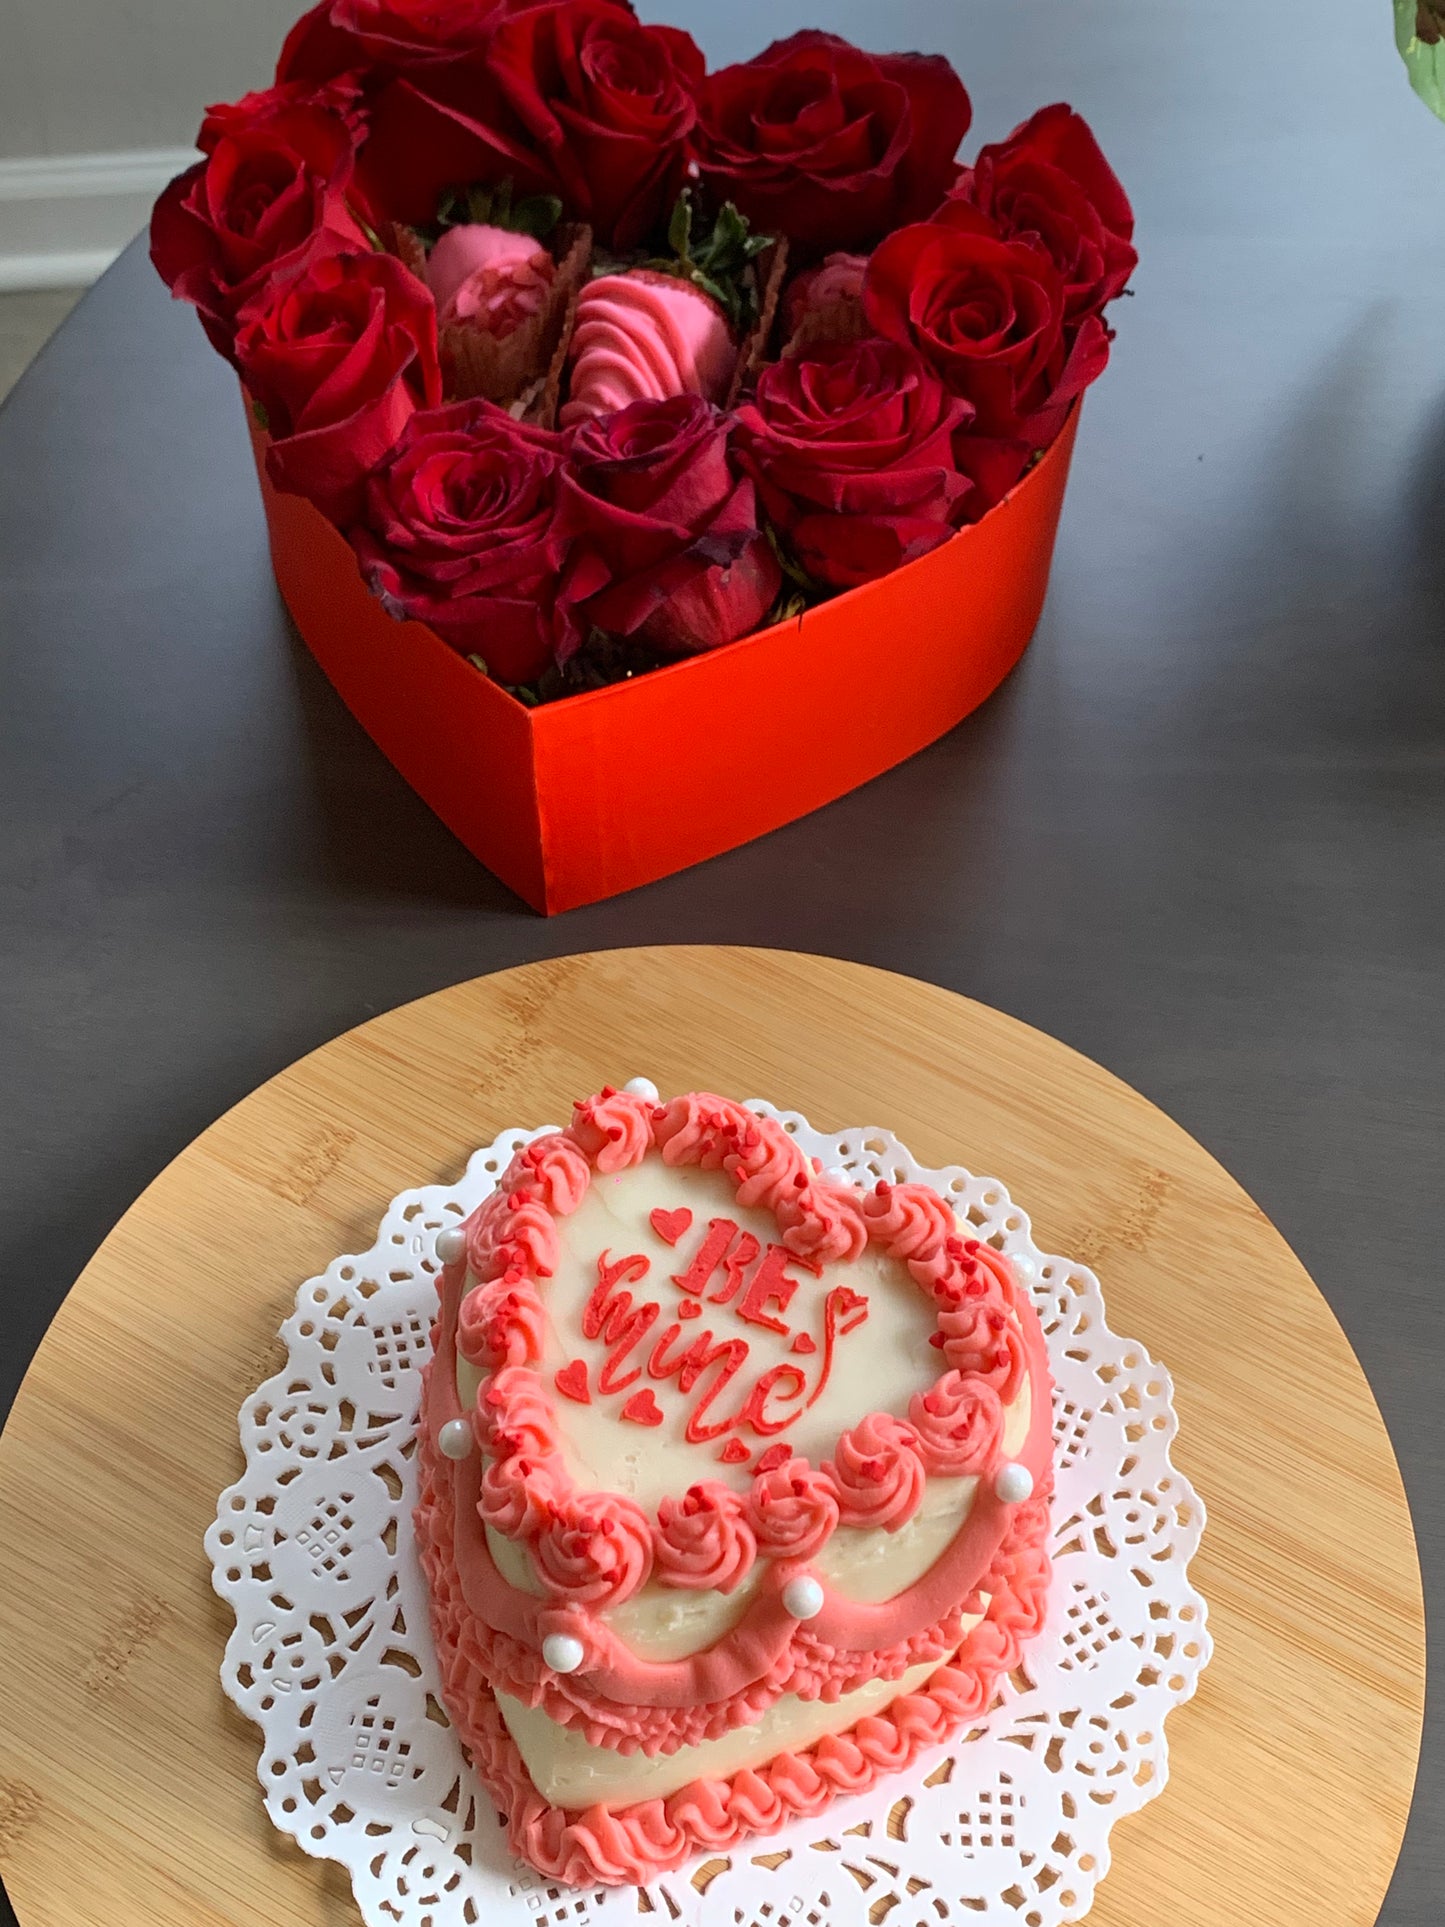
[
  {"x": 804, "y": 1344},
  {"x": 670, "y": 1225},
  {"x": 571, "y": 1382},
  {"x": 689, "y": 1308},
  {"x": 642, "y": 1408},
  {"x": 734, "y": 1452},
  {"x": 775, "y": 1456},
  {"x": 937, "y": 1340}
]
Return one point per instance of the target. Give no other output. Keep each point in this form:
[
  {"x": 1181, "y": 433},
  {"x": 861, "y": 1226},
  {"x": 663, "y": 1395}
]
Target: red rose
[
  {"x": 270, "y": 193},
  {"x": 852, "y": 451},
  {"x": 393, "y": 35},
  {"x": 988, "y": 313},
  {"x": 609, "y": 102},
  {"x": 1049, "y": 183},
  {"x": 663, "y": 534},
  {"x": 459, "y": 531},
  {"x": 572, "y": 97},
  {"x": 339, "y": 358},
  {"x": 829, "y": 145}
]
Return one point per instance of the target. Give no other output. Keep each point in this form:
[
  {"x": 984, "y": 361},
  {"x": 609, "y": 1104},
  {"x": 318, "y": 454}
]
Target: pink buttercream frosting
[
  {"x": 631, "y": 1845},
  {"x": 501, "y": 1324},
  {"x": 513, "y": 1231},
  {"x": 612, "y": 1130},
  {"x": 642, "y": 336},
  {"x": 514, "y": 1493},
  {"x": 877, "y": 1474},
  {"x": 488, "y": 276},
  {"x": 792, "y": 1510},
  {"x": 595, "y": 1550},
  {"x": 513, "y": 1415},
  {"x": 704, "y": 1130},
  {"x": 556, "y": 1168},
  {"x": 980, "y": 1339},
  {"x": 914, "y": 1222},
  {"x": 703, "y": 1539},
  {"x": 959, "y": 1423},
  {"x": 592, "y": 1550}
]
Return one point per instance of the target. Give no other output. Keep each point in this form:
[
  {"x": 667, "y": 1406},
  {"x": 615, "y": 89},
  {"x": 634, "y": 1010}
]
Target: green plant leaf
[
  {"x": 679, "y": 228},
  {"x": 261, "y": 418},
  {"x": 1420, "y": 36},
  {"x": 493, "y": 206},
  {"x": 724, "y": 293},
  {"x": 794, "y": 571},
  {"x": 537, "y": 215}
]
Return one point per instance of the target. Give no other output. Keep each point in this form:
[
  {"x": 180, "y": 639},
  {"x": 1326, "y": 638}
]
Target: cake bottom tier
[
  {"x": 567, "y": 1771},
  {"x": 629, "y": 1845}
]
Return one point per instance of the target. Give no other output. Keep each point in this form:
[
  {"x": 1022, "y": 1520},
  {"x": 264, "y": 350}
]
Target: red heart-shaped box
[{"x": 584, "y": 798}]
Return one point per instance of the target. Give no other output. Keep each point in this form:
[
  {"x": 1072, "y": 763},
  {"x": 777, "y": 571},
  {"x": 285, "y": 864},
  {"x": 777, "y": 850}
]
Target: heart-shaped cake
[{"x": 734, "y": 1482}]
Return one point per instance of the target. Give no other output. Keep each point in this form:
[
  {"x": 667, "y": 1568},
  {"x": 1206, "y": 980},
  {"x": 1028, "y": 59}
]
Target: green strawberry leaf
[
  {"x": 679, "y": 228},
  {"x": 493, "y": 206},
  {"x": 537, "y": 215}
]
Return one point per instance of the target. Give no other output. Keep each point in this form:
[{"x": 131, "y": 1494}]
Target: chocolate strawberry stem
[
  {"x": 717, "y": 261},
  {"x": 534, "y": 214}
]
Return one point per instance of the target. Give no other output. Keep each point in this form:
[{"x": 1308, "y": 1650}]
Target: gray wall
[{"x": 100, "y": 76}]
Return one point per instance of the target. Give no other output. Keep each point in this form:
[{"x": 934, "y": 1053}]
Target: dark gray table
[{"x": 1198, "y": 835}]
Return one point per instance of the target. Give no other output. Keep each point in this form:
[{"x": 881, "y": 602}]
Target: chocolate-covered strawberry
[{"x": 670, "y": 326}]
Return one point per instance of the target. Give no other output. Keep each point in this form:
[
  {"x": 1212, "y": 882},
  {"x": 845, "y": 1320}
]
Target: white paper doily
[{"x": 332, "y": 1658}]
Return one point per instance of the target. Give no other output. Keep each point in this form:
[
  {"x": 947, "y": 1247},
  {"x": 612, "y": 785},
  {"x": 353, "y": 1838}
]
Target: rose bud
[{"x": 488, "y": 276}]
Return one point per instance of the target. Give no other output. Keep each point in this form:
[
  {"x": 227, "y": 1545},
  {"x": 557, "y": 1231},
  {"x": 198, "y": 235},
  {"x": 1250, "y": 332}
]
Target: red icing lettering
[
  {"x": 670, "y": 1226},
  {"x": 642, "y": 1408},
  {"x": 571, "y": 1382},
  {"x": 719, "y": 1248},
  {"x": 770, "y": 1285},
  {"x": 754, "y": 1411},
  {"x": 778, "y": 1397},
  {"x": 841, "y": 1304},
  {"x": 609, "y": 1315},
  {"x": 694, "y": 1280},
  {"x": 734, "y": 1265},
  {"x": 688, "y": 1366}
]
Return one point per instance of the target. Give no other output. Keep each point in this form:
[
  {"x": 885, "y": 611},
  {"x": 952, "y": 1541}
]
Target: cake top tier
[
  {"x": 685, "y": 1341},
  {"x": 681, "y": 1346}
]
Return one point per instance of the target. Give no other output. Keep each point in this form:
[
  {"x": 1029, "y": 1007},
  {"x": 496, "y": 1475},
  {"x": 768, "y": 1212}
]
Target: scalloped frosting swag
[{"x": 677, "y": 1340}]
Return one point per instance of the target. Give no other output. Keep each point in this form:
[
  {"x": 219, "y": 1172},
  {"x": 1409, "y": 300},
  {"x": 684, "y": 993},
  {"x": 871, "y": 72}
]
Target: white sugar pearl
[
  {"x": 1014, "y": 1483},
  {"x": 451, "y": 1244},
  {"x": 455, "y": 1438},
  {"x": 803, "y": 1598},
  {"x": 641, "y": 1087},
  {"x": 562, "y": 1652}
]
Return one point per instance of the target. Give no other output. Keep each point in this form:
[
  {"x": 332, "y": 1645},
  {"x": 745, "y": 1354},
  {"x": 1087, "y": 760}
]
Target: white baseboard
[{"x": 65, "y": 217}]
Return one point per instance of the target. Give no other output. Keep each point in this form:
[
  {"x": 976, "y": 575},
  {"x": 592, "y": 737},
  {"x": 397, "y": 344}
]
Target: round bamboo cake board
[{"x": 128, "y": 1783}]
